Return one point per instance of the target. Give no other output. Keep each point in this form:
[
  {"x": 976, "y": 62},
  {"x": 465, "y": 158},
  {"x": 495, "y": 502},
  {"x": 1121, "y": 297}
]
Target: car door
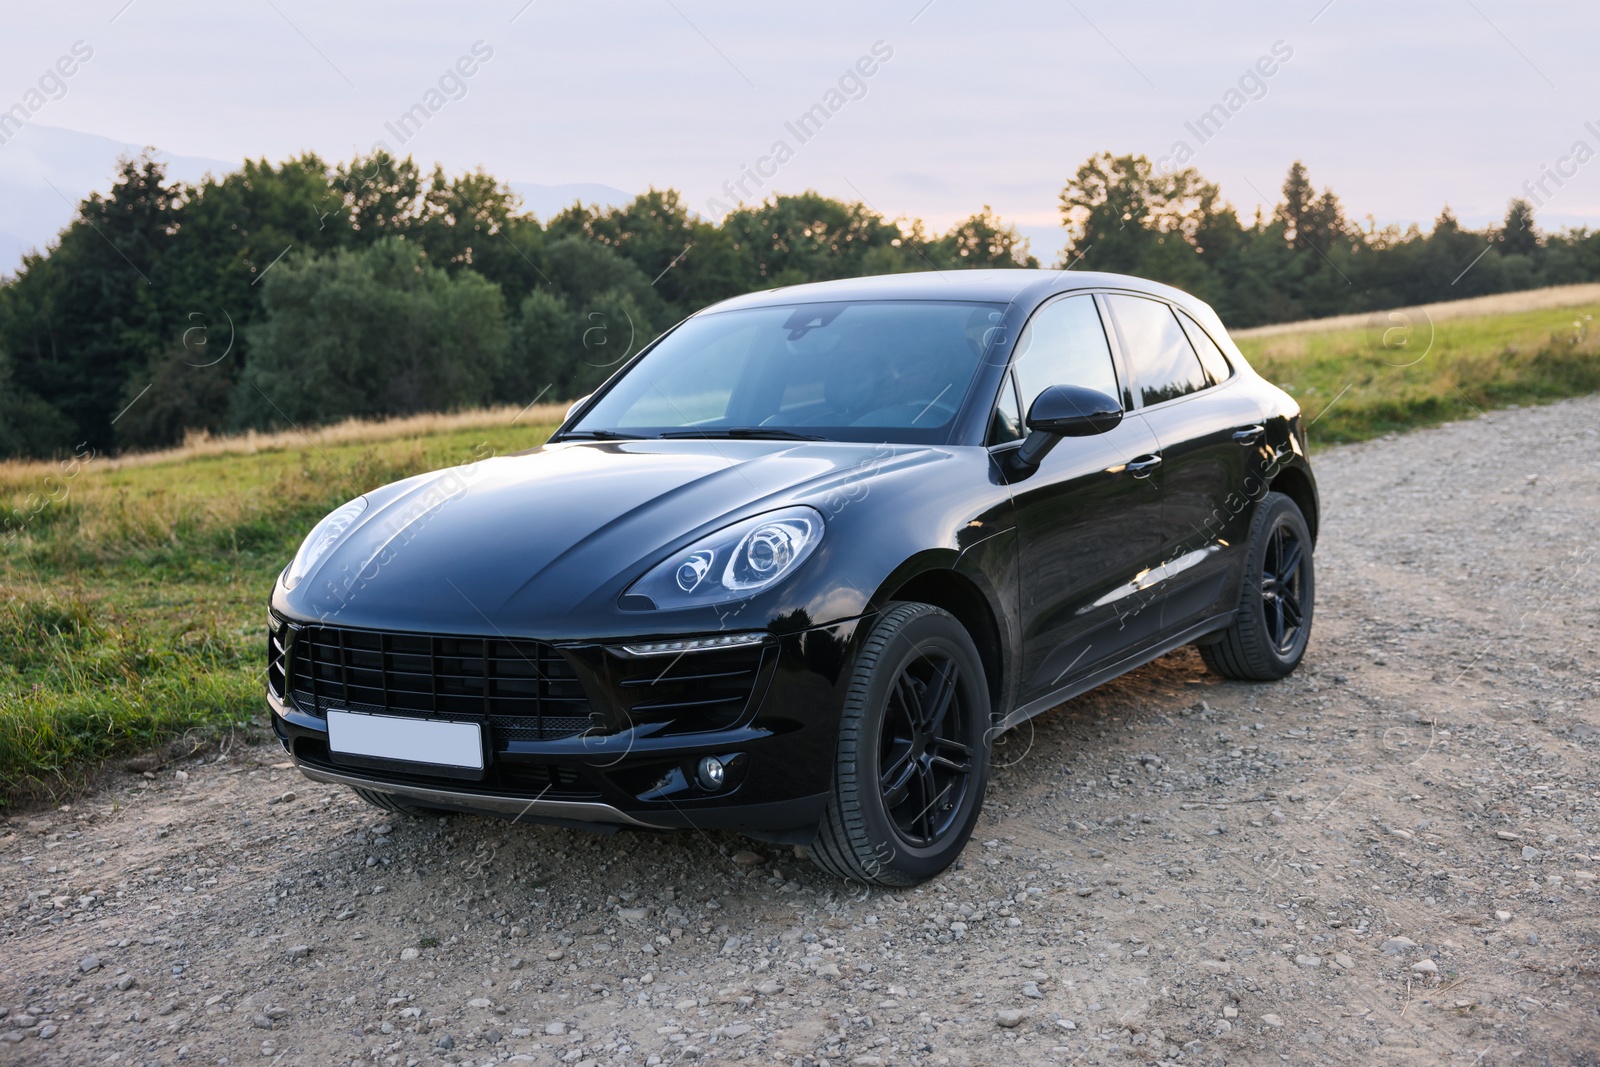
[
  {"x": 1089, "y": 518},
  {"x": 1211, "y": 438}
]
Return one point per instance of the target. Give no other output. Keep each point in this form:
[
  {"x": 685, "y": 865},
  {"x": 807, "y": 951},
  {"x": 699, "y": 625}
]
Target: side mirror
[
  {"x": 1065, "y": 411},
  {"x": 576, "y": 404}
]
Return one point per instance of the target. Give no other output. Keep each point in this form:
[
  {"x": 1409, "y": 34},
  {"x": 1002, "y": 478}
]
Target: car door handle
[
  {"x": 1143, "y": 466},
  {"x": 1250, "y": 434}
]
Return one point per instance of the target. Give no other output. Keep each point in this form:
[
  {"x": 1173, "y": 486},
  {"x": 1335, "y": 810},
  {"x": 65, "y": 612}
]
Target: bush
[
  {"x": 177, "y": 391},
  {"x": 28, "y": 425},
  {"x": 369, "y": 333}
]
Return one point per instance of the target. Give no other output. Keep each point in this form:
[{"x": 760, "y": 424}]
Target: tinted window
[
  {"x": 853, "y": 371},
  {"x": 1064, "y": 344},
  {"x": 1216, "y": 364},
  {"x": 1160, "y": 360},
  {"x": 1007, "y": 422}
]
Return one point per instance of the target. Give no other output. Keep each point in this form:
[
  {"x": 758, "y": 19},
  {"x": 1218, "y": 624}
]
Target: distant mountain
[
  {"x": 45, "y": 171},
  {"x": 548, "y": 200}
]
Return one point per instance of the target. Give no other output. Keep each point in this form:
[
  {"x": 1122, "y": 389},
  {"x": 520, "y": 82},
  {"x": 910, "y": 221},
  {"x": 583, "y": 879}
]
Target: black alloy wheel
[
  {"x": 1280, "y": 587},
  {"x": 1267, "y": 637},
  {"x": 925, "y": 768},
  {"x": 913, "y": 755}
]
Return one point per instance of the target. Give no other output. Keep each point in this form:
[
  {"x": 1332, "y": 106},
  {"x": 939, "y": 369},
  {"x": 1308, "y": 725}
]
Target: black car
[{"x": 793, "y": 568}]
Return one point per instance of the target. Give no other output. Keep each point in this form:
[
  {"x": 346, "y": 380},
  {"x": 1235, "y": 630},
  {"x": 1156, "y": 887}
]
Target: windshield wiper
[
  {"x": 745, "y": 431},
  {"x": 599, "y": 435}
]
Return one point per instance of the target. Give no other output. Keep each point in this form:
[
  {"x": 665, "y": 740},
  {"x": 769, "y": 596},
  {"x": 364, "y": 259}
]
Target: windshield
[{"x": 893, "y": 371}]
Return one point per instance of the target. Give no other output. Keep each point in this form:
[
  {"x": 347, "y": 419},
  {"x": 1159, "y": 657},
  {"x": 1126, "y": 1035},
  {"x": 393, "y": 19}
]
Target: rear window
[
  {"x": 1161, "y": 361},
  {"x": 1218, "y": 369}
]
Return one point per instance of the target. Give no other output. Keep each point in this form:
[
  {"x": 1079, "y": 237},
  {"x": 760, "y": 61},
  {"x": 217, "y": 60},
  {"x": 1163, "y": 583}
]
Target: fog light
[{"x": 711, "y": 773}]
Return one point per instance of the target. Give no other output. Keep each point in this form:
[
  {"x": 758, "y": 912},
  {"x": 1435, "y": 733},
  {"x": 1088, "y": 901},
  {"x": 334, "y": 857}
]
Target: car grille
[{"x": 525, "y": 690}]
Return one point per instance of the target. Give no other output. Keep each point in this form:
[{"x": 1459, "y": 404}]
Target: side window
[
  {"x": 1160, "y": 359},
  {"x": 1007, "y": 422},
  {"x": 1218, "y": 369},
  {"x": 1064, "y": 344}
]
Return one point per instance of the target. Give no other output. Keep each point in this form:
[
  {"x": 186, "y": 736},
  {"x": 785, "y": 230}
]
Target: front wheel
[
  {"x": 1269, "y": 631},
  {"x": 913, "y": 757}
]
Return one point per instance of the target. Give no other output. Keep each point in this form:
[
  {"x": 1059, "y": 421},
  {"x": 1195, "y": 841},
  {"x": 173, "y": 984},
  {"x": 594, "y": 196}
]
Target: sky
[{"x": 1399, "y": 108}]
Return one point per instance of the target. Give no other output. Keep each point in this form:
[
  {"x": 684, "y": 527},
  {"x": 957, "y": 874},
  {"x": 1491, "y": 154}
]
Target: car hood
[{"x": 515, "y": 544}]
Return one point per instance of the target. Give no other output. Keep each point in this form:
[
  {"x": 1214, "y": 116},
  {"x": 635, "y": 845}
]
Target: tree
[
  {"x": 1519, "y": 236},
  {"x": 788, "y": 240},
  {"x": 612, "y": 328},
  {"x": 370, "y": 333},
  {"x": 1298, "y": 199},
  {"x": 1123, "y": 216},
  {"x": 181, "y": 389},
  {"x": 982, "y": 240},
  {"x": 461, "y": 217},
  {"x": 28, "y": 425},
  {"x": 80, "y": 318},
  {"x": 1324, "y": 225},
  {"x": 536, "y": 361}
]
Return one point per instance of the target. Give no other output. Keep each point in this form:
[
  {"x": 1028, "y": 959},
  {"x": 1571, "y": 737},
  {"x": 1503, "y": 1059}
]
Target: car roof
[{"x": 986, "y": 285}]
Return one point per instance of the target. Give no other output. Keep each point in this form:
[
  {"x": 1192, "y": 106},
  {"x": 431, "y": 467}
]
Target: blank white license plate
[{"x": 447, "y": 744}]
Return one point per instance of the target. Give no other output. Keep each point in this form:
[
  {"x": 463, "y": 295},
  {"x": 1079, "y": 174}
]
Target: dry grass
[
  {"x": 1556, "y": 296},
  {"x": 349, "y": 432}
]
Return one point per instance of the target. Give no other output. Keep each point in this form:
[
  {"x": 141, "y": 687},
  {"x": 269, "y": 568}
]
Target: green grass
[
  {"x": 132, "y": 598},
  {"x": 1353, "y": 387}
]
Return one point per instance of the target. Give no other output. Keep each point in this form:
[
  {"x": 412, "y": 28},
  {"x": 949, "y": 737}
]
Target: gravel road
[{"x": 1389, "y": 858}]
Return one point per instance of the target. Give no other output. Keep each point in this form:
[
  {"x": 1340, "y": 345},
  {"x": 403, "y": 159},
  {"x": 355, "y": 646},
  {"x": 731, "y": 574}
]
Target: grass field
[
  {"x": 1401, "y": 370},
  {"x": 132, "y": 590}
]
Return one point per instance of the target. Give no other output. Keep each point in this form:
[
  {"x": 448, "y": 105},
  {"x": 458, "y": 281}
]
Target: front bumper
[{"x": 779, "y": 749}]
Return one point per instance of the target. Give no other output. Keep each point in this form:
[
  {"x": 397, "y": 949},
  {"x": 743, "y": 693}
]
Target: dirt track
[{"x": 1389, "y": 858}]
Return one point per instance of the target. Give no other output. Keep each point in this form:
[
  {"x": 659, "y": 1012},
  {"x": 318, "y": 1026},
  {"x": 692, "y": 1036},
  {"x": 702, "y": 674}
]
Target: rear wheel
[
  {"x": 390, "y": 802},
  {"x": 1269, "y": 632},
  {"x": 913, "y": 757}
]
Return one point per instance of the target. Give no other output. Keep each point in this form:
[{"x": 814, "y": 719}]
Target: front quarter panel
[{"x": 886, "y": 527}]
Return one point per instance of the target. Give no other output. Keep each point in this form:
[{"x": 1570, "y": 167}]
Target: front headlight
[
  {"x": 323, "y": 537},
  {"x": 733, "y": 563}
]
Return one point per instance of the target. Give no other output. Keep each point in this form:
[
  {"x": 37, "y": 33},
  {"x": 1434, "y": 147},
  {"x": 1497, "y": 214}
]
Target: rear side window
[
  {"x": 1064, "y": 344},
  {"x": 1218, "y": 369},
  {"x": 1161, "y": 362}
]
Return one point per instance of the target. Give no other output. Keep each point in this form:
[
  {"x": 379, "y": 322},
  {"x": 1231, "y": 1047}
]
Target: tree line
[
  {"x": 1308, "y": 258},
  {"x": 302, "y": 293}
]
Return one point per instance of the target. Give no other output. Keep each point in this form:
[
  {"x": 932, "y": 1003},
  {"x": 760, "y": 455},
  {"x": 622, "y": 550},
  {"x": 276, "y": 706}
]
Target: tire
[
  {"x": 896, "y": 748},
  {"x": 390, "y": 802},
  {"x": 1269, "y": 631}
]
